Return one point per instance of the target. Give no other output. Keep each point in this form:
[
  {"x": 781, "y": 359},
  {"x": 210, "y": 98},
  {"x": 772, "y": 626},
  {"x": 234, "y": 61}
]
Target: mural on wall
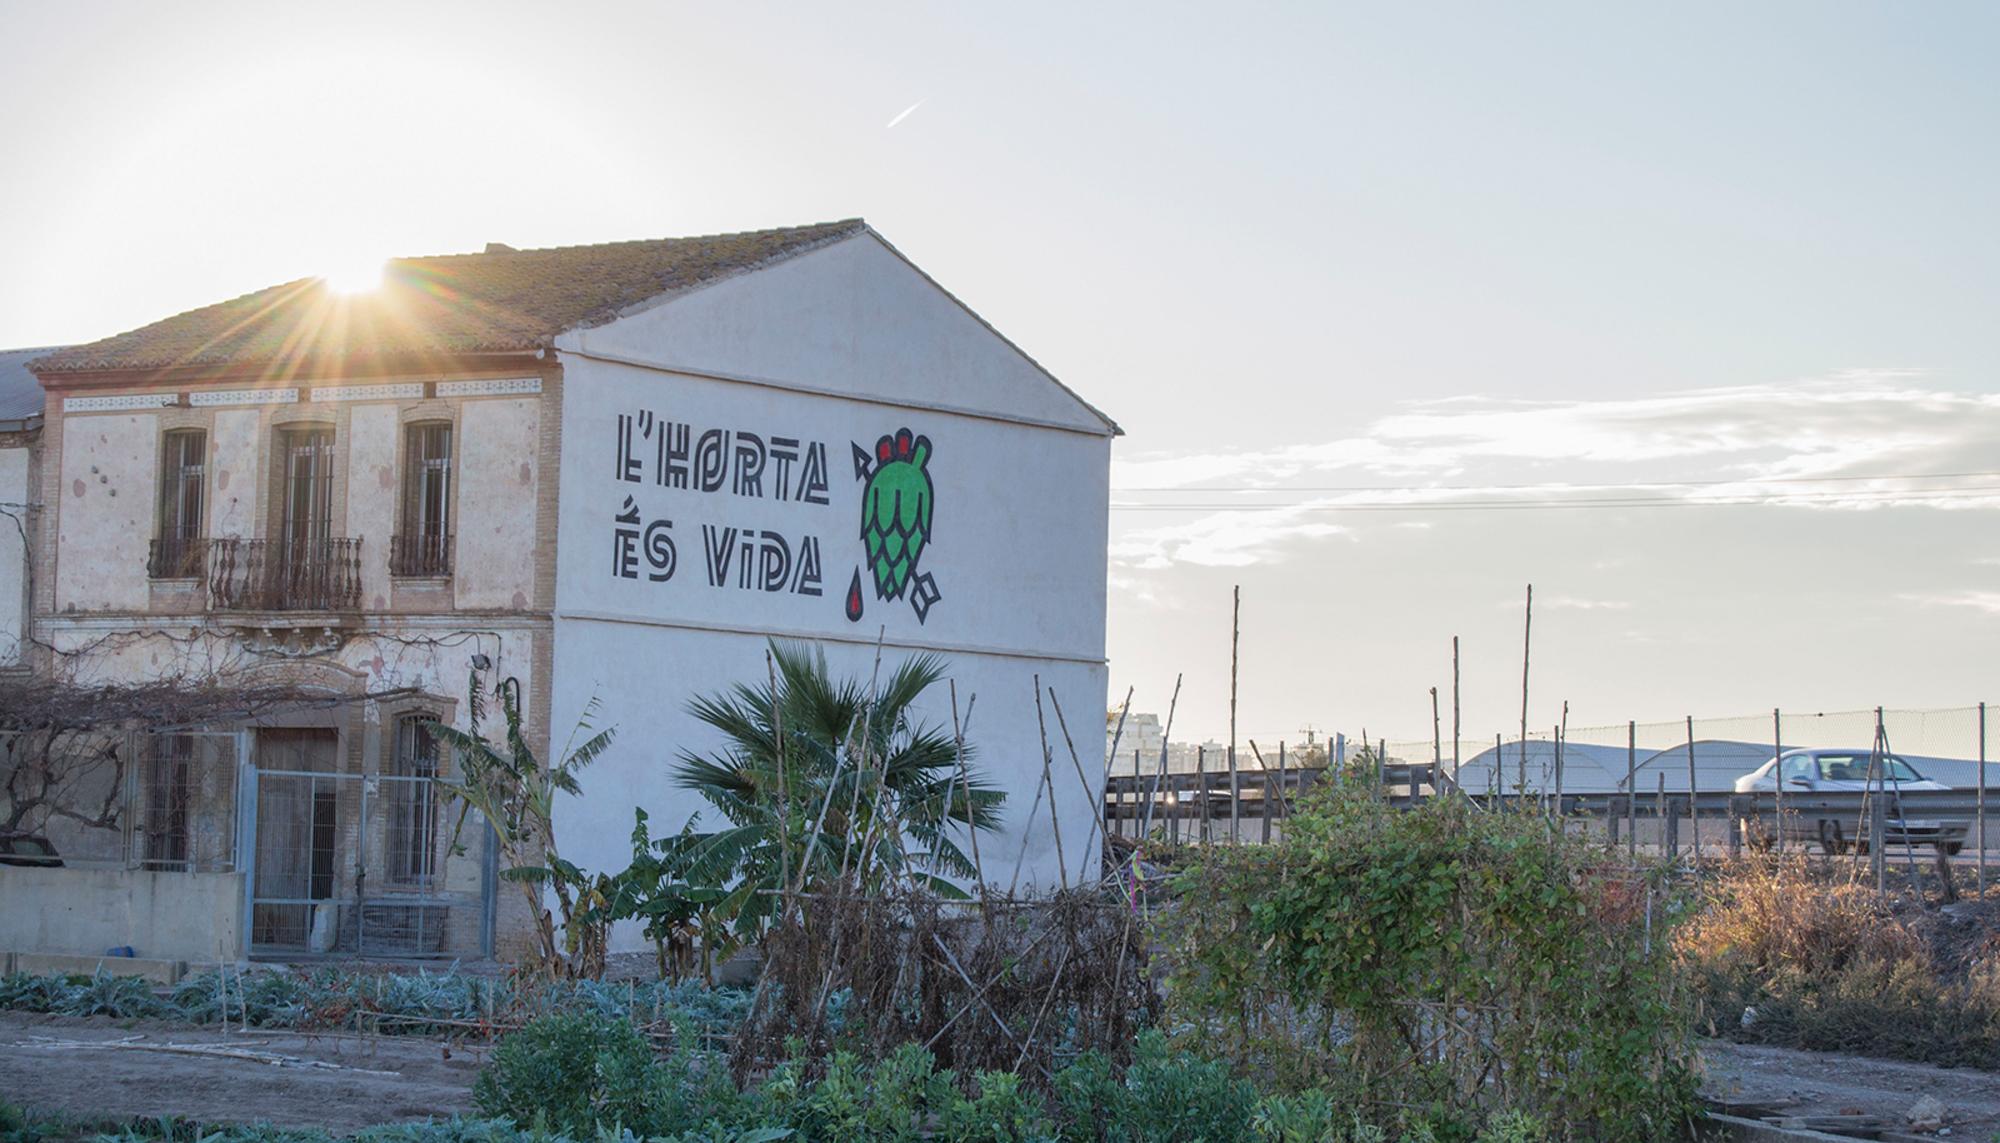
[
  {"x": 896, "y": 500},
  {"x": 704, "y": 469}
]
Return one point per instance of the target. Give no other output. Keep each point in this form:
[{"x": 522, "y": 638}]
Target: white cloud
[
  {"x": 1573, "y": 603},
  {"x": 1986, "y": 601},
  {"x": 1822, "y": 427},
  {"x": 1820, "y": 443},
  {"x": 1221, "y": 539}
]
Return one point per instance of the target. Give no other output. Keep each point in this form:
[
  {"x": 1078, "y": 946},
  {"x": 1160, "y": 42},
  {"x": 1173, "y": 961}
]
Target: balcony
[
  {"x": 426, "y": 555},
  {"x": 177, "y": 557},
  {"x": 284, "y": 575}
]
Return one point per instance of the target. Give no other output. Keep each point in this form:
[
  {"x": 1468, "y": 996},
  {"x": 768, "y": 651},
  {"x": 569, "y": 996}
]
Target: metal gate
[{"x": 346, "y": 864}]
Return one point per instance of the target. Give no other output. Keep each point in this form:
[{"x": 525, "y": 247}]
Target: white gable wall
[
  {"x": 847, "y": 344},
  {"x": 856, "y": 319}
]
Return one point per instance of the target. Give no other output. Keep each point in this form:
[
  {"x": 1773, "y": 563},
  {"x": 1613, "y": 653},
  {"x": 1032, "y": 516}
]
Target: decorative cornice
[
  {"x": 212, "y": 397},
  {"x": 411, "y": 391},
  {"x": 112, "y": 404},
  {"x": 495, "y": 387}
]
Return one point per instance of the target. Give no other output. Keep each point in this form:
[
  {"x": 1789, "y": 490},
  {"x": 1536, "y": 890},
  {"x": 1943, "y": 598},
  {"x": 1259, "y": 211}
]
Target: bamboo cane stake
[
  {"x": 965, "y": 779},
  {"x": 1049, "y": 782},
  {"x": 1694, "y": 815},
  {"x": 1778, "y": 776},
  {"x": 1527, "y": 643},
  {"x": 1235, "y": 789}
]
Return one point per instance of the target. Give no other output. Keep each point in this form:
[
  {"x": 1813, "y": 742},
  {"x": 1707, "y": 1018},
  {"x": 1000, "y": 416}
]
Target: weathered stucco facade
[
  {"x": 606, "y": 473},
  {"x": 393, "y": 641}
]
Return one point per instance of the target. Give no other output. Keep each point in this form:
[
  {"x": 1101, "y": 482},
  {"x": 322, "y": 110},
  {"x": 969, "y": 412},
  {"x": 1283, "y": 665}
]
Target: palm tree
[{"x": 830, "y": 781}]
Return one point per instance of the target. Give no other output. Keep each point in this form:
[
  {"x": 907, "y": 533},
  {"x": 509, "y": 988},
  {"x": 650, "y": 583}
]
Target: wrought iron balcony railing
[
  {"x": 178, "y": 557},
  {"x": 284, "y": 575},
  {"x": 426, "y": 554}
]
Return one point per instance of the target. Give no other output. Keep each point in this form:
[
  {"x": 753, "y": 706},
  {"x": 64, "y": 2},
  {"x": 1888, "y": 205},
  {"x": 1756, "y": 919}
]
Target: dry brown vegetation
[
  {"x": 994, "y": 985},
  {"x": 1788, "y": 950}
]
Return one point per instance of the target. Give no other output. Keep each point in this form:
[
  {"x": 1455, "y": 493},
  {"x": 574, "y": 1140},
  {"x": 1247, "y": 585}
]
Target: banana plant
[{"x": 515, "y": 794}]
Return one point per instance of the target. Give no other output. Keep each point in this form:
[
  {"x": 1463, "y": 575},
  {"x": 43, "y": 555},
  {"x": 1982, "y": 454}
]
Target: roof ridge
[
  {"x": 438, "y": 306},
  {"x": 844, "y": 224}
]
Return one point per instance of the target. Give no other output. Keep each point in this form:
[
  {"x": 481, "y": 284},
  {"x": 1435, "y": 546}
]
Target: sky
[{"x": 1349, "y": 277}]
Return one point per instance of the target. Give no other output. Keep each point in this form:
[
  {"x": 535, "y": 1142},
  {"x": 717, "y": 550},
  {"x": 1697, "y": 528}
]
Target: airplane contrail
[{"x": 905, "y": 114}]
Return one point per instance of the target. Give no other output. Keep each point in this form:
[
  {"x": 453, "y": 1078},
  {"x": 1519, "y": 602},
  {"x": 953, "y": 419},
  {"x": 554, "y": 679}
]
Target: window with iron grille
[
  {"x": 413, "y": 803},
  {"x": 307, "y": 495},
  {"x": 423, "y": 546},
  {"x": 177, "y": 549},
  {"x": 168, "y": 786}
]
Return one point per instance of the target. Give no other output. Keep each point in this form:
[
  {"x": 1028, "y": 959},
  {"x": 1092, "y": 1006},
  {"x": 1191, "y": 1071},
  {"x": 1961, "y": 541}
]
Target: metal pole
[
  {"x": 1878, "y": 822},
  {"x": 1437, "y": 733},
  {"x": 1235, "y": 789},
  {"x": 1557, "y": 777},
  {"x": 1284, "y": 798},
  {"x": 1138, "y": 791},
  {"x": 1981, "y": 808},
  {"x": 1694, "y": 815},
  {"x": 1454, "y": 710},
  {"x": 1201, "y": 788},
  {"x": 1632, "y": 790},
  {"x": 1667, "y": 835},
  {"x": 1778, "y": 775},
  {"x": 1527, "y": 641}
]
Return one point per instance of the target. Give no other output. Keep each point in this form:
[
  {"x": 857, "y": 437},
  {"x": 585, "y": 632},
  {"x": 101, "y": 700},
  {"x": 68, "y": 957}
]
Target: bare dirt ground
[
  {"x": 1827, "y": 1083},
  {"x": 343, "y": 1082},
  {"x": 59, "y": 1065}
]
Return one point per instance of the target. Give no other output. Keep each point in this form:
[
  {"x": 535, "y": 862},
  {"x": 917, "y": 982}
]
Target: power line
[
  {"x": 1752, "y": 480},
  {"x": 1780, "y": 499}
]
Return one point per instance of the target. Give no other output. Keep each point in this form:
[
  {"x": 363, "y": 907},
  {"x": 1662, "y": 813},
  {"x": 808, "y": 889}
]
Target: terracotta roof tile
[{"x": 494, "y": 302}]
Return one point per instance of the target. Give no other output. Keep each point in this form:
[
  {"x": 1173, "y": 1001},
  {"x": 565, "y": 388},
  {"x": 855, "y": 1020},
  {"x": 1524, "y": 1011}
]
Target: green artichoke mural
[{"x": 896, "y": 501}]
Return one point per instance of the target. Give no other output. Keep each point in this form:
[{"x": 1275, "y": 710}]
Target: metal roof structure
[
  {"x": 1587, "y": 768},
  {"x": 20, "y": 394}
]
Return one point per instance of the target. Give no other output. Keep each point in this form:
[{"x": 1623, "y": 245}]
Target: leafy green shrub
[
  {"x": 1164, "y": 1096},
  {"x": 1002, "y": 1112},
  {"x": 1309, "y": 1117},
  {"x": 888, "y": 1102},
  {"x": 1443, "y": 959},
  {"x": 573, "y": 1073},
  {"x": 1178, "y": 1095}
]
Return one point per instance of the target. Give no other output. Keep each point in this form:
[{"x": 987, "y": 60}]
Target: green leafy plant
[
  {"x": 1002, "y": 1112},
  {"x": 1165, "y": 1096},
  {"x": 672, "y": 888},
  {"x": 577, "y": 1073},
  {"x": 889, "y": 1101},
  {"x": 829, "y": 781},
  {"x": 516, "y": 795},
  {"x": 1441, "y": 959}
]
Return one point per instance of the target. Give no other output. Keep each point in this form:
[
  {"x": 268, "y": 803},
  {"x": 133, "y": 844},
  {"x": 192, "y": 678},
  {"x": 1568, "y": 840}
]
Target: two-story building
[{"x": 608, "y": 473}]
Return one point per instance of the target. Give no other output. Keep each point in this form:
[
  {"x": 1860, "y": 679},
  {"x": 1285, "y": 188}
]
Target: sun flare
[{"x": 356, "y": 276}]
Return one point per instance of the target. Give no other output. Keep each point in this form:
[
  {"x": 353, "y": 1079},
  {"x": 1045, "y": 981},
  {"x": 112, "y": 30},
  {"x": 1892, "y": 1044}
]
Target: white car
[{"x": 1824, "y": 771}]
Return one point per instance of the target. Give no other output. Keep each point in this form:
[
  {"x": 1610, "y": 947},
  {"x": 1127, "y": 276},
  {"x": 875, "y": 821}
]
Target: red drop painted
[
  {"x": 854, "y": 598},
  {"x": 885, "y": 450},
  {"x": 903, "y": 441}
]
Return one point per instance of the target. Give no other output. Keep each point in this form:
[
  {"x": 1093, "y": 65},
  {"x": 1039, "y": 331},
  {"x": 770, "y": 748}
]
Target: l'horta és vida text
[{"x": 721, "y": 463}]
